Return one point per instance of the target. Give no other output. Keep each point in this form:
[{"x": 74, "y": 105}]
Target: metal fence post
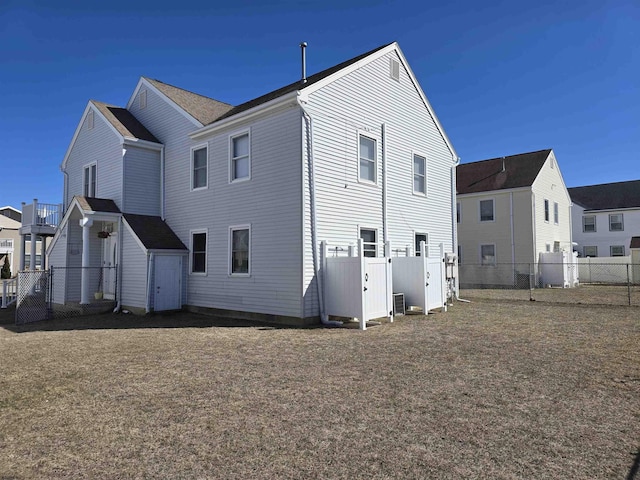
[
  {"x": 628, "y": 285},
  {"x": 531, "y": 281}
]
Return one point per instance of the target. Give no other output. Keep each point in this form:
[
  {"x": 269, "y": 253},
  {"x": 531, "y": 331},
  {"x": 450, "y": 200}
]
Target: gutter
[{"x": 324, "y": 318}]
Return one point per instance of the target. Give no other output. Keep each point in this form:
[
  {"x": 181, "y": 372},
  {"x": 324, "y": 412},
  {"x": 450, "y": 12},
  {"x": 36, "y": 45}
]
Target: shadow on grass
[
  {"x": 633, "y": 472},
  {"x": 128, "y": 321}
]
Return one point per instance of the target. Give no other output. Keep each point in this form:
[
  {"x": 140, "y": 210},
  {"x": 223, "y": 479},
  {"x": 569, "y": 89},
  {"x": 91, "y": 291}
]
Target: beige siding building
[{"x": 510, "y": 210}]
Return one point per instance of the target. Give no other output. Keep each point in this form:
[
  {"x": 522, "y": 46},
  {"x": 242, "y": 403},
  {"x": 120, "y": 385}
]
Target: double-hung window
[
  {"x": 369, "y": 240},
  {"x": 240, "y": 250},
  {"x": 589, "y": 224},
  {"x": 367, "y": 153},
  {"x": 240, "y": 162},
  {"x": 616, "y": 250},
  {"x": 546, "y": 210},
  {"x": 590, "y": 251},
  {"x": 615, "y": 222},
  {"x": 199, "y": 251},
  {"x": 89, "y": 189},
  {"x": 486, "y": 211},
  {"x": 199, "y": 167},
  {"x": 556, "y": 214},
  {"x": 488, "y": 255},
  {"x": 419, "y": 174}
]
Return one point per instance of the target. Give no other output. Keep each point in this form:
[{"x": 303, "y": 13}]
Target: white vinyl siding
[
  {"x": 141, "y": 181},
  {"x": 240, "y": 157},
  {"x": 134, "y": 272},
  {"x": 199, "y": 167},
  {"x": 419, "y": 174}
]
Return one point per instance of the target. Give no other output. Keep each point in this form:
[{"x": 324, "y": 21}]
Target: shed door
[{"x": 166, "y": 295}]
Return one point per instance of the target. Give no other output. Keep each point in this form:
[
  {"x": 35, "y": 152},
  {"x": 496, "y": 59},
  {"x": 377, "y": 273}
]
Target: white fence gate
[
  {"x": 358, "y": 286},
  {"x": 421, "y": 279}
]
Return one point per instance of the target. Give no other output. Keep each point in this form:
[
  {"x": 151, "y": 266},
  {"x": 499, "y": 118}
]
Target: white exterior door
[
  {"x": 376, "y": 287},
  {"x": 166, "y": 294},
  {"x": 109, "y": 273}
]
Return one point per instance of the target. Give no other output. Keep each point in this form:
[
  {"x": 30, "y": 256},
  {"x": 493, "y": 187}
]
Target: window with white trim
[
  {"x": 486, "y": 211},
  {"x": 240, "y": 157},
  {"x": 199, "y": 167},
  {"x": 556, "y": 247},
  {"x": 590, "y": 251},
  {"x": 547, "y": 247},
  {"x": 615, "y": 222},
  {"x": 616, "y": 250},
  {"x": 556, "y": 213},
  {"x": 419, "y": 174},
  {"x": 589, "y": 223},
  {"x": 199, "y": 251},
  {"x": 546, "y": 210},
  {"x": 419, "y": 238},
  {"x": 369, "y": 238},
  {"x": 488, "y": 255},
  {"x": 240, "y": 250},
  {"x": 89, "y": 184},
  {"x": 367, "y": 153}
]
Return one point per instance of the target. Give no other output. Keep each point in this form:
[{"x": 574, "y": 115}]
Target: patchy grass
[{"x": 487, "y": 390}]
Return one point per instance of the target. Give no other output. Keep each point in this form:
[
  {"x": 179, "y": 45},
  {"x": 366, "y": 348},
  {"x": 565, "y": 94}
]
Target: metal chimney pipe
[{"x": 303, "y": 47}]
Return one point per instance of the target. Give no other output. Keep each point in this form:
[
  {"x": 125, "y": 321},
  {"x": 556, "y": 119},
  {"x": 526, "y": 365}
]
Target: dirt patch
[{"x": 487, "y": 390}]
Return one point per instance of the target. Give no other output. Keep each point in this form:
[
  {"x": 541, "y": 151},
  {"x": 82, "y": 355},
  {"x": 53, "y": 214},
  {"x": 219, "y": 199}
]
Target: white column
[
  {"x": 23, "y": 245},
  {"x": 43, "y": 249},
  {"x": 33, "y": 252},
  {"x": 86, "y": 224}
]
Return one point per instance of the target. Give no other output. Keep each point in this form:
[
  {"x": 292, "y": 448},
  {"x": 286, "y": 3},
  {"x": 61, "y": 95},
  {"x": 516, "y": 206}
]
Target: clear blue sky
[{"x": 504, "y": 77}]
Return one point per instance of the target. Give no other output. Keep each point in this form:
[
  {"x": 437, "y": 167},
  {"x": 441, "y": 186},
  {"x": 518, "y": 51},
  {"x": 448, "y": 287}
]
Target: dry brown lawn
[{"x": 487, "y": 390}]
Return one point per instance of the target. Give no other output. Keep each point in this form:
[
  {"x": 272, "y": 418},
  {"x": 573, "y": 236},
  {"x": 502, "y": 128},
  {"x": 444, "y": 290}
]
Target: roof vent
[{"x": 394, "y": 68}]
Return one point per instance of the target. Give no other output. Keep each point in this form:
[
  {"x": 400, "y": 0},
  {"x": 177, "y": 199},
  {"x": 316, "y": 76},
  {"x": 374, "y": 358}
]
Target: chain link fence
[{"x": 590, "y": 283}]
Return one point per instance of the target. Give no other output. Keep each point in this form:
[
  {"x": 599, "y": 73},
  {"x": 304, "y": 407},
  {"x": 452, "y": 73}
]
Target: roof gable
[
  {"x": 607, "y": 196},
  {"x": 515, "y": 171}
]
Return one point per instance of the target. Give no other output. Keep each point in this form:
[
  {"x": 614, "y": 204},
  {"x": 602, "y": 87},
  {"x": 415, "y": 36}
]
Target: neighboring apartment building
[
  {"x": 11, "y": 246},
  {"x": 605, "y": 218},
  {"x": 212, "y": 206},
  {"x": 509, "y": 211}
]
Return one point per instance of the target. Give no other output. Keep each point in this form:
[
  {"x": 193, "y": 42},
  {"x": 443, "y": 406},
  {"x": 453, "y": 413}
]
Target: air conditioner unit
[{"x": 398, "y": 303}]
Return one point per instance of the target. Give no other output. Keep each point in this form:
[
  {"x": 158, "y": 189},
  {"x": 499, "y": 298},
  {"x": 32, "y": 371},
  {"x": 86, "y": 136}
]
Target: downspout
[
  {"x": 150, "y": 258},
  {"x": 513, "y": 243},
  {"x": 324, "y": 318},
  {"x": 533, "y": 224},
  {"x": 119, "y": 267},
  {"x": 162, "y": 183},
  {"x": 385, "y": 229},
  {"x": 454, "y": 216}
]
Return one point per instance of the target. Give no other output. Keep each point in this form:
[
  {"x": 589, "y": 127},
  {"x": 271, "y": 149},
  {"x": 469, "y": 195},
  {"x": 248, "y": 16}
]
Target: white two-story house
[
  {"x": 605, "y": 218},
  {"x": 509, "y": 211},
  {"x": 200, "y": 204}
]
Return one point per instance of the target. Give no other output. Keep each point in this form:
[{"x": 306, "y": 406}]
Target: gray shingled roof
[
  {"x": 635, "y": 242},
  {"x": 153, "y": 232},
  {"x": 500, "y": 173},
  {"x": 204, "y": 109},
  {"x": 124, "y": 122},
  {"x": 607, "y": 196},
  {"x": 92, "y": 204}
]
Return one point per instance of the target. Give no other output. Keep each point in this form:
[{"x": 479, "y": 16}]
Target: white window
[
  {"x": 590, "y": 251},
  {"x": 199, "y": 251},
  {"x": 369, "y": 238},
  {"x": 556, "y": 214},
  {"x": 199, "y": 161},
  {"x": 486, "y": 211},
  {"x": 419, "y": 174},
  {"x": 419, "y": 238},
  {"x": 89, "y": 189},
  {"x": 589, "y": 223},
  {"x": 488, "y": 255},
  {"x": 240, "y": 250},
  {"x": 617, "y": 250},
  {"x": 458, "y": 212},
  {"x": 615, "y": 222},
  {"x": 143, "y": 99},
  {"x": 90, "y": 120},
  {"x": 556, "y": 247},
  {"x": 240, "y": 163},
  {"x": 546, "y": 210},
  {"x": 367, "y": 152}
]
